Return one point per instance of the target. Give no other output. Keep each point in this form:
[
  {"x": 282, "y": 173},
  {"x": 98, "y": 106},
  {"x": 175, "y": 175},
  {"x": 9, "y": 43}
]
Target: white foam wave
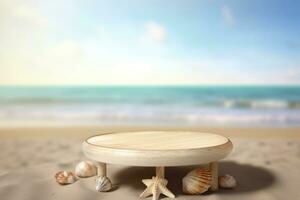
[{"x": 152, "y": 115}]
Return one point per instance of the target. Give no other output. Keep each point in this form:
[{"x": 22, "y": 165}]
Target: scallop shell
[
  {"x": 103, "y": 184},
  {"x": 227, "y": 181},
  {"x": 85, "y": 169},
  {"x": 197, "y": 181},
  {"x": 65, "y": 178}
]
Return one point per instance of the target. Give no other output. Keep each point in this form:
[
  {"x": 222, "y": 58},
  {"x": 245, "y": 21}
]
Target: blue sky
[{"x": 149, "y": 42}]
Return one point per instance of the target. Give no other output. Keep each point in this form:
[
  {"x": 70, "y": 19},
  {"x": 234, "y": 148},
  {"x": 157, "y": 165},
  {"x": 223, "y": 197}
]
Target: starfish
[{"x": 156, "y": 186}]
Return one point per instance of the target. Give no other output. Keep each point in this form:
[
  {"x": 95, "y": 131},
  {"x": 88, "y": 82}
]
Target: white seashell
[
  {"x": 64, "y": 177},
  {"x": 85, "y": 169},
  {"x": 103, "y": 184},
  {"x": 227, "y": 181},
  {"x": 197, "y": 181}
]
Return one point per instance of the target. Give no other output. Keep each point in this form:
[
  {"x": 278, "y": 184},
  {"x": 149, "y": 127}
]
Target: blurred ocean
[{"x": 147, "y": 105}]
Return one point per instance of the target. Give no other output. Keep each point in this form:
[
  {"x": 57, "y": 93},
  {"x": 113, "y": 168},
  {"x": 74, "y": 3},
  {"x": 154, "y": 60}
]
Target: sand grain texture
[{"x": 264, "y": 168}]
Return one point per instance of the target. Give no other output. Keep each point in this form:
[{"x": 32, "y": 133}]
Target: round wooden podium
[{"x": 158, "y": 149}]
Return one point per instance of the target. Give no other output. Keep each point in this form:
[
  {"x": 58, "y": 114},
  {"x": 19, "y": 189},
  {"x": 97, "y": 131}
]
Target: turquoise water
[{"x": 194, "y": 105}]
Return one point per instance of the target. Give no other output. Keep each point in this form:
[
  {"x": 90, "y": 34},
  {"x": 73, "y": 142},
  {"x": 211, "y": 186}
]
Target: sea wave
[
  {"x": 226, "y": 103},
  {"x": 261, "y": 104},
  {"x": 151, "y": 115},
  {"x": 136, "y": 105}
]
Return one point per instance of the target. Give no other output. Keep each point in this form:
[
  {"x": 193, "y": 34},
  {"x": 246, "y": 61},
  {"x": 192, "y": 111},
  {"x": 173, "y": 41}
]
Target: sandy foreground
[{"x": 265, "y": 162}]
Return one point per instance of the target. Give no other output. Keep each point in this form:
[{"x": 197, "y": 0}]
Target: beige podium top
[{"x": 157, "y": 148}]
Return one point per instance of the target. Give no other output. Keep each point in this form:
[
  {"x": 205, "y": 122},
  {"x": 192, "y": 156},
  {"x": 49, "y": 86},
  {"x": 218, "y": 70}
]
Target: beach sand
[{"x": 265, "y": 162}]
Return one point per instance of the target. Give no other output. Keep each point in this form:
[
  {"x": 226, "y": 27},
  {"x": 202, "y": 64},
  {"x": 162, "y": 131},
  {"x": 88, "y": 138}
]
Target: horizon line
[{"x": 150, "y": 85}]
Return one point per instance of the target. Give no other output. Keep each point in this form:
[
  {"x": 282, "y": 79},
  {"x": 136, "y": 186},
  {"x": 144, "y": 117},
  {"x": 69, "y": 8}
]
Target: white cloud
[
  {"x": 100, "y": 29},
  {"x": 293, "y": 74},
  {"x": 19, "y": 13},
  {"x": 155, "y": 32},
  {"x": 65, "y": 55},
  {"x": 228, "y": 16},
  {"x": 29, "y": 15},
  {"x": 56, "y": 64}
]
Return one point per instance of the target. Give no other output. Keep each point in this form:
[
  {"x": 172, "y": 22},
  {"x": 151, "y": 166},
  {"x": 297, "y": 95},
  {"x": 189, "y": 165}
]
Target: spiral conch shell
[
  {"x": 65, "y": 178},
  {"x": 103, "y": 184},
  {"x": 197, "y": 181},
  {"x": 227, "y": 181},
  {"x": 85, "y": 169}
]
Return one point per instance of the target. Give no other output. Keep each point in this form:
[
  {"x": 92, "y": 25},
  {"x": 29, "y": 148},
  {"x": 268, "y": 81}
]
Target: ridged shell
[
  {"x": 85, "y": 169},
  {"x": 227, "y": 181},
  {"x": 64, "y": 177},
  {"x": 103, "y": 184},
  {"x": 197, "y": 181}
]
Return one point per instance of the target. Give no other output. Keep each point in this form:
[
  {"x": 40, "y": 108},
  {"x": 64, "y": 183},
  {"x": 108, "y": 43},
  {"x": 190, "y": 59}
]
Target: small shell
[
  {"x": 85, "y": 169},
  {"x": 64, "y": 177},
  {"x": 197, "y": 181},
  {"x": 103, "y": 184},
  {"x": 227, "y": 181}
]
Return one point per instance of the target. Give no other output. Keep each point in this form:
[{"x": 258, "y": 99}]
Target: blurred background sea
[{"x": 153, "y": 105}]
